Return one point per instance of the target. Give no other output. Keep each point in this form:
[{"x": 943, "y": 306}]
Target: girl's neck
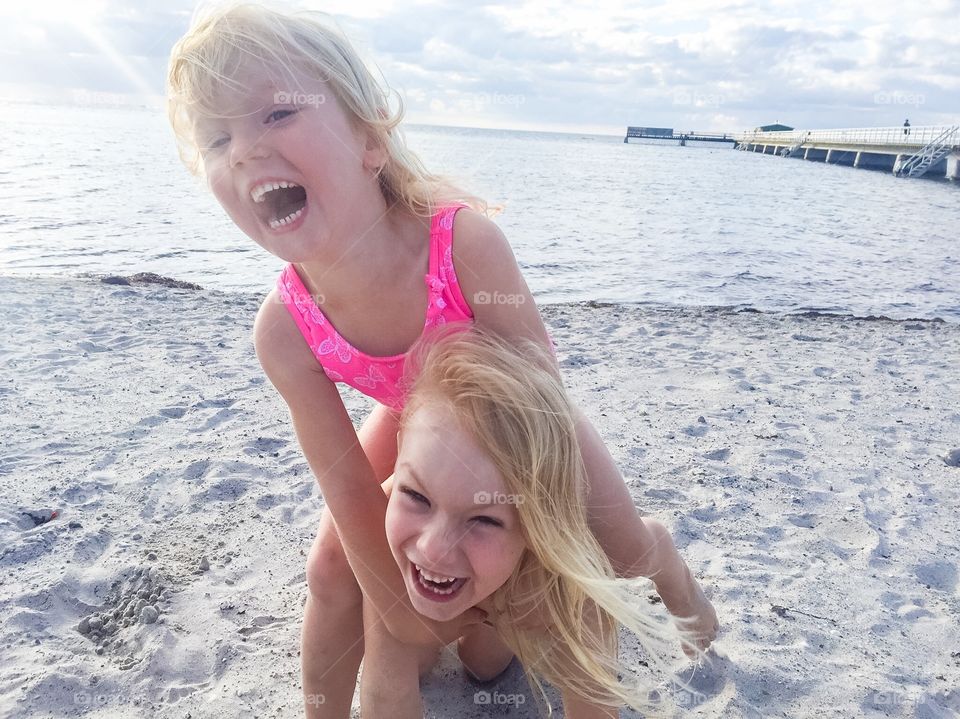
[{"x": 381, "y": 248}]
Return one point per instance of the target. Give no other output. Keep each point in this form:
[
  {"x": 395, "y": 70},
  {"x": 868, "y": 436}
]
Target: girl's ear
[{"x": 374, "y": 154}]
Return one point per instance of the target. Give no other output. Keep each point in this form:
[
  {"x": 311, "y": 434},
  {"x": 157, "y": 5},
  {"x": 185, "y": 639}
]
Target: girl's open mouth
[
  {"x": 280, "y": 204},
  {"x": 437, "y": 591}
]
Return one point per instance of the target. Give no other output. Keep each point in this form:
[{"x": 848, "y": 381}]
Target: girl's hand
[
  {"x": 703, "y": 622},
  {"x": 706, "y": 626},
  {"x": 680, "y": 592},
  {"x": 431, "y": 632}
]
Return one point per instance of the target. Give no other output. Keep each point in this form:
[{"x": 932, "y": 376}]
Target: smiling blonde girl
[{"x": 487, "y": 510}]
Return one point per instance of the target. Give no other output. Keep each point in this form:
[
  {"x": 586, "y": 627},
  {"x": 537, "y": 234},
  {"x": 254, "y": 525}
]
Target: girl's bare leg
[
  {"x": 390, "y": 684},
  {"x": 332, "y": 636}
]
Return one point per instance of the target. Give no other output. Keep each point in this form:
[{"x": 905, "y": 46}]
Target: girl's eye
[
  {"x": 415, "y": 496},
  {"x": 280, "y": 114},
  {"x": 489, "y": 521},
  {"x": 215, "y": 144}
]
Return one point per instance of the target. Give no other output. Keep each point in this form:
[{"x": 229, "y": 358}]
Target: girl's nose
[
  {"x": 248, "y": 146},
  {"x": 436, "y": 546}
]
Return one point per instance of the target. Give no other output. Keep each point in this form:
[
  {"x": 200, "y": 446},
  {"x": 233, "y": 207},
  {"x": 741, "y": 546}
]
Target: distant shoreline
[{"x": 150, "y": 279}]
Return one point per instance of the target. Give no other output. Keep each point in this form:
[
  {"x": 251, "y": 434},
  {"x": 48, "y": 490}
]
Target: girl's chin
[{"x": 438, "y": 614}]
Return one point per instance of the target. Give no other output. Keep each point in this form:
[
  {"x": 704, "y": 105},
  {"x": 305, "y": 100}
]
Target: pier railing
[{"x": 918, "y": 136}]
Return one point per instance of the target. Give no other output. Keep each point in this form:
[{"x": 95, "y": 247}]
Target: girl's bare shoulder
[
  {"x": 491, "y": 280},
  {"x": 478, "y": 242},
  {"x": 282, "y": 351}
]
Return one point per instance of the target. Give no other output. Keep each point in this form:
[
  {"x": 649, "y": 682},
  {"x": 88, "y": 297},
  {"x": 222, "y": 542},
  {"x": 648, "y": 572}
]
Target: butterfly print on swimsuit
[
  {"x": 370, "y": 380},
  {"x": 338, "y": 346},
  {"x": 447, "y": 266}
]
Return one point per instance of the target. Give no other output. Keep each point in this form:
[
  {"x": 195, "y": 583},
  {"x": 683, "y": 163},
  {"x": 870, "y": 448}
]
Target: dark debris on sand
[{"x": 149, "y": 278}]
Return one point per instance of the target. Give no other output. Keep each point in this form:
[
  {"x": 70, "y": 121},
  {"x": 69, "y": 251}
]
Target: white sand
[{"x": 812, "y": 498}]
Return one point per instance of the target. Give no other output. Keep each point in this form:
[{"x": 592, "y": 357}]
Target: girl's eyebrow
[{"x": 406, "y": 466}]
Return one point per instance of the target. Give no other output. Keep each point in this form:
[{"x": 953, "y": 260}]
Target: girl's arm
[
  {"x": 575, "y": 706},
  {"x": 491, "y": 281},
  {"x": 494, "y": 287},
  {"x": 390, "y": 683},
  {"x": 680, "y": 591},
  {"x": 347, "y": 481}
]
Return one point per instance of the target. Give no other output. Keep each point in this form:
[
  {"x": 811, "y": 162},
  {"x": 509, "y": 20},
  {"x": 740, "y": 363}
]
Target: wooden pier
[
  {"x": 905, "y": 151},
  {"x": 680, "y": 137}
]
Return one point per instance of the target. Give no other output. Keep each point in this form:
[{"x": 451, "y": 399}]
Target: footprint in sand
[
  {"x": 937, "y": 575},
  {"x": 196, "y": 470},
  {"x": 578, "y": 360},
  {"x": 718, "y": 455},
  {"x": 265, "y": 445},
  {"x": 92, "y": 546},
  {"x": 806, "y": 520},
  {"x": 258, "y": 624},
  {"x": 89, "y": 491},
  {"x": 226, "y": 490},
  {"x": 269, "y": 501},
  {"x": 216, "y": 419},
  {"x": 173, "y": 412}
]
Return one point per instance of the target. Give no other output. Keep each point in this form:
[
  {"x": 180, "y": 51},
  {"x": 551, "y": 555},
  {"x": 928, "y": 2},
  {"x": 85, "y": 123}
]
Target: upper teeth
[
  {"x": 263, "y": 188},
  {"x": 433, "y": 578}
]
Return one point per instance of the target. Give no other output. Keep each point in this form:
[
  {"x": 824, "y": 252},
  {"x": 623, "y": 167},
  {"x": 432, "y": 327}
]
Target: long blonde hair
[
  {"x": 224, "y": 37},
  {"x": 510, "y": 399}
]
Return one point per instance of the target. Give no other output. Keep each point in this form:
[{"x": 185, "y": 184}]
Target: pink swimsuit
[{"x": 378, "y": 377}]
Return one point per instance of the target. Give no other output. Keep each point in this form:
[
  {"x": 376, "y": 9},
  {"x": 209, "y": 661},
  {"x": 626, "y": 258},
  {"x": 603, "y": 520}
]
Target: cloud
[{"x": 582, "y": 65}]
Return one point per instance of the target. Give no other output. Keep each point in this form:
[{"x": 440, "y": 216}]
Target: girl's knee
[
  {"x": 330, "y": 579},
  {"x": 484, "y": 654}
]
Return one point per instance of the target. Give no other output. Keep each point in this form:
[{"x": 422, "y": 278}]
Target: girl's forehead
[
  {"x": 433, "y": 436},
  {"x": 254, "y": 85}
]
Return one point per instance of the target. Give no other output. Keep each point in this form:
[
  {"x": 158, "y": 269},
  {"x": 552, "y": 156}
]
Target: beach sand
[{"x": 803, "y": 464}]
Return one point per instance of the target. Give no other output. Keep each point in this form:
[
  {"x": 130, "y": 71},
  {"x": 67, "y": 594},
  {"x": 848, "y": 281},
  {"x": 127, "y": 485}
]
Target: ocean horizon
[{"x": 96, "y": 191}]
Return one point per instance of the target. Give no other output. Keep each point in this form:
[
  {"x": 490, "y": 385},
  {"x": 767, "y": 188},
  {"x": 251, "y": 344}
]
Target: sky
[{"x": 588, "y": 67}]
